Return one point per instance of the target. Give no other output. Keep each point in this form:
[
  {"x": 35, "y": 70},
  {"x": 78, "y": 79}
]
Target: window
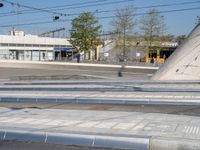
[
  {"x": 36, "y": 45},
  {"x": 20, "y": 45},
  {"x": 12, "y": 44},
  {"x": 43, "y": 45},
  {"x": 4, "y": 44},
  {"x": 28, "y": 45}
]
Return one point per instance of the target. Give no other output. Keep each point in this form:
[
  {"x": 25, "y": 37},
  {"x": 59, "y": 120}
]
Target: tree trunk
[{"x": 84, "y": 54}]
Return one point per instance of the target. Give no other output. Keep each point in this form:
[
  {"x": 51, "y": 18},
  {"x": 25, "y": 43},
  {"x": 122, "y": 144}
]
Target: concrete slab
[
  {"x": 94, "y": 128},
  {"x": 184, "y": 62}
]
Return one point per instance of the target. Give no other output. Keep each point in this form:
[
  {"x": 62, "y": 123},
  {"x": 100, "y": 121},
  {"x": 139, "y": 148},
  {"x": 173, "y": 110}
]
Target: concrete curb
[
  {"x": 106, "y": 141},
  {"x": 76, "y": 64},
  {"x": 63, "y": 82},
  {"x": 100, "y": 89},
  {"x": 186, "y": 102},
  {"x": 103, "y": 141}
]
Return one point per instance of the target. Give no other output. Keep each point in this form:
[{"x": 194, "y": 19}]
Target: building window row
[{"x": 31, "y": 45}]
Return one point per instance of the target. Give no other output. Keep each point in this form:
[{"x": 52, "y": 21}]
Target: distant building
[
  {"x": 137, "y": 50},
  {"x": 19, "y": 46}
]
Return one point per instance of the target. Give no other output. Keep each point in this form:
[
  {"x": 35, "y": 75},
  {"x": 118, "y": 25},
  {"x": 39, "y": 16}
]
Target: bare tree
[
  {"x": 198, "y": 20},
  {"x": 123, "y": 24},
  {"x": 152, "y": 25}
]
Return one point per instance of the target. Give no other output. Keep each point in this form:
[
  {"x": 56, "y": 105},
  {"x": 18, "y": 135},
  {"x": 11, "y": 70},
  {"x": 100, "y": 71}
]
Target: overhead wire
[
  {"x": 106, "y": 11},
  {"x": 62, "y": 14},
  {"x": 33, "y": 8},
  {"x": 74, "y": 4},
  {"x": 103, "y": 17}
]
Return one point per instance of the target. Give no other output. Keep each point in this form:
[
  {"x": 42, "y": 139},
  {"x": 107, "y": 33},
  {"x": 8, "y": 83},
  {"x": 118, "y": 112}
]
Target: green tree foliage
[{"x": 85, "y": 32}]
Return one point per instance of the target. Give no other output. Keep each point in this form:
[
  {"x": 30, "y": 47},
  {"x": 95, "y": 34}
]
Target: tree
[
  {"x": 180, "y": 38},
  {"x": 123, "y": 23},
  {"x": 198, "y": 20},
  {"x": 85, "y": 32},
  {"x": 152, "y": 25}
]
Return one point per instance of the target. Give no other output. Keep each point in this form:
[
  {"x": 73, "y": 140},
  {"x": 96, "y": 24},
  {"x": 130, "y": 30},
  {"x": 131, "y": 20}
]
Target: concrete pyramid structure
[{"x": 184, "y": 63}]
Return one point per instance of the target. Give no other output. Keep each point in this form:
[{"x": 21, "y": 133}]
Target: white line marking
[
  {"x": 187, "y": 130},
  {"x": 197, "y": 131},
  {"x": 194, "y": 130}
]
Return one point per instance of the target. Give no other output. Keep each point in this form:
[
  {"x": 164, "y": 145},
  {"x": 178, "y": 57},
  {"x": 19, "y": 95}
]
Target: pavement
[
  {"x": 189, "y": 110},
  {"x": 101, "y": 92},
  {"x": 116, "y": 129},
  {"x": 30, "y": 70},
  {"x": 140, "y": 130},
  {"x": 33, "y": 96}
]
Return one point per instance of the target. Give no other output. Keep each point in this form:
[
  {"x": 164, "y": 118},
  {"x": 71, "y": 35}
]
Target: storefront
[{"x": 63, "y": 53}]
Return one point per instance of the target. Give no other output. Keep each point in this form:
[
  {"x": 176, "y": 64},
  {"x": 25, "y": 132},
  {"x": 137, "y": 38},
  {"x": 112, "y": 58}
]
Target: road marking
[
  {"x": 194, "y": 131},
  {"x": 197, "y": 131},
  {"x": 184, "y": 129},
  {"x": 191, "y": 130},
  {"x": 187, "y": 129}
]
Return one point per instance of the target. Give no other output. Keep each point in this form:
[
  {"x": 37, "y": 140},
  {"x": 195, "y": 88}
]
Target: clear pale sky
[{"x": 178, "y": 23}]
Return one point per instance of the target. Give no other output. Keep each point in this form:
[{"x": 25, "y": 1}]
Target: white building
[{"x": 19, "y": 46}]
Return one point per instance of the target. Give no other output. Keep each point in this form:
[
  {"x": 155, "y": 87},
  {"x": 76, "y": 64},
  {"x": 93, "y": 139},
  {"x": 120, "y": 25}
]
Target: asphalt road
[
  {"x": 164, "y": 109},
  {"x": 68, "y": 71}
]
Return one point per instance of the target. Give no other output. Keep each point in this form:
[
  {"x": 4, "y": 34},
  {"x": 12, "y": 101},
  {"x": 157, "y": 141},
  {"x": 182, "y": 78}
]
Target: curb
[
  {"x": 10, "y": 62},
  {"x": 186, "y": 102},
  {"x": 105, "y": 89},
  {"x": 104, "y": 141}
]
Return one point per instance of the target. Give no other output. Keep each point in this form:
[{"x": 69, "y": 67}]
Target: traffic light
[
  {"x": 55, "y": 18},
  {"x": 1, "y": 4}
]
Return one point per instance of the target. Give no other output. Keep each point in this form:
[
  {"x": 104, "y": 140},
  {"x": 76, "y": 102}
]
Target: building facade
[{"x": 19, "y": 46}]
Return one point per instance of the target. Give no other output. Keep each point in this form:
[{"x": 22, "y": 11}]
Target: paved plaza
[
  {"x": 130, "y": 129},
  {"x": 98, "y": 109}
]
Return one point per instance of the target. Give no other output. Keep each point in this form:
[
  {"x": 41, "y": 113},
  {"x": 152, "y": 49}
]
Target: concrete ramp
[{"x": 184, "y": 64}]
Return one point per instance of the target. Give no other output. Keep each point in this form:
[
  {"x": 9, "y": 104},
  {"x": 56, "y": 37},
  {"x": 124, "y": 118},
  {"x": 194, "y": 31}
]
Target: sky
[{"x": 178, "y": 23}]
